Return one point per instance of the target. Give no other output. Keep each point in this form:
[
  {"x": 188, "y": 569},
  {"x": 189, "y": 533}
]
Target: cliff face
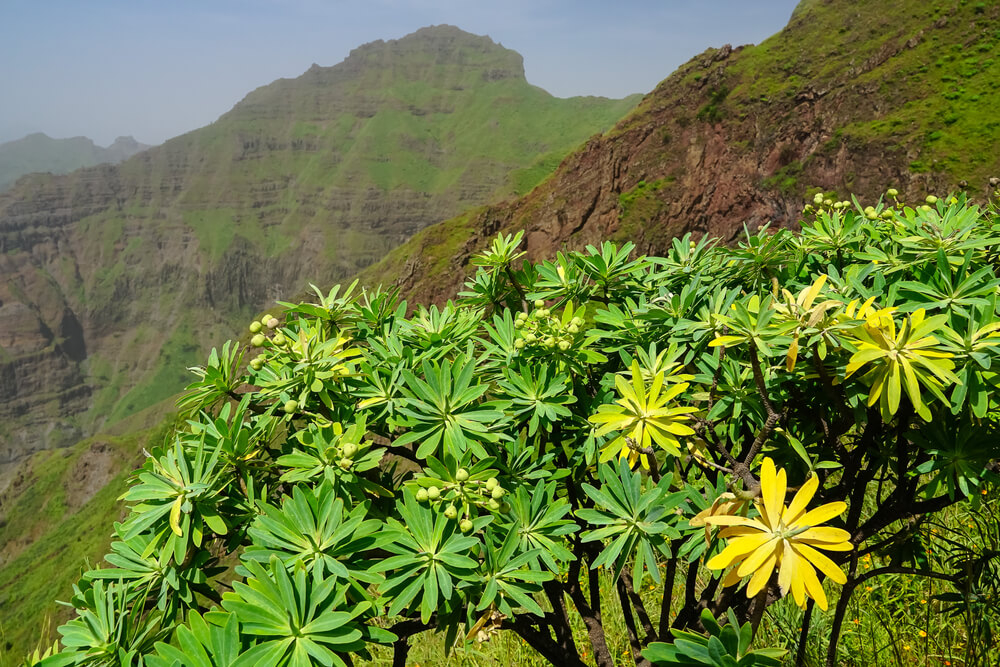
[
  {"x": 849, "y": 97},
  {"x": 116, "y": 278}
]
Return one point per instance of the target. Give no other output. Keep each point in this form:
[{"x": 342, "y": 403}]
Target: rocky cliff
[
  {"x": 115, "y": 278},
  {"x": 849, "y": 97}
]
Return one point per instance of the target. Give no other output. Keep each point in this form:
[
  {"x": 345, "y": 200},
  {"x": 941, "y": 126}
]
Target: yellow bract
[
  {"x": 782, "y": 538},
  {"x": 643, "y": 416},
  {"x": 900, "y": 361}
]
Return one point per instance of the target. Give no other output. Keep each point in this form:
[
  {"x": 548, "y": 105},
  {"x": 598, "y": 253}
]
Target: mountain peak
[{"x": 440, "y": 45}]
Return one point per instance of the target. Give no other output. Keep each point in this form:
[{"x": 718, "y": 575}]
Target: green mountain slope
[
  {"x": 115, "y": 277},
  {"x": 40, "y": 153},
  {"x": 848, "y": 97}
]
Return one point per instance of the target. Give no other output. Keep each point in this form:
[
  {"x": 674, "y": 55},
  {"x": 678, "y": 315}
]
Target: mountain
[
  {"x": 41, "y": 153},
  {"x": 848, "y": 97},
  {"x": 117, "y": 277}
]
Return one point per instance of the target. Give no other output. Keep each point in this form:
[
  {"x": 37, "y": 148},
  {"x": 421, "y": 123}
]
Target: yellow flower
[
  {"x": 643, "y": 416},
  {"x": 783, "y": 538},
  {"x": 923, "y": 634}
]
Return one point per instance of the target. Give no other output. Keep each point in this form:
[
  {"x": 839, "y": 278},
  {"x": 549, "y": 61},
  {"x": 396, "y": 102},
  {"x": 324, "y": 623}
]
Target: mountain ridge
[
  {"x": 119, "y": 273},
  {"x": 845, "y": 99},
  {"x": 38, "y": 152}
]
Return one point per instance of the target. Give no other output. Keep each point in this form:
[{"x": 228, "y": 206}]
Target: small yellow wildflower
[{"x": 923, "y": 634}]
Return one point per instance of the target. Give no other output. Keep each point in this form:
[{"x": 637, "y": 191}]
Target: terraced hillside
[{"x": 116, "y": 277}]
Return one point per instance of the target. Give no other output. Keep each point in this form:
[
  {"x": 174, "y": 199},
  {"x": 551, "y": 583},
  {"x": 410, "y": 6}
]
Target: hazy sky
[{"x": 158, "y": 68}]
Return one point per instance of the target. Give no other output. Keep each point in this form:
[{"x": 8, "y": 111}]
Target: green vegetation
[
  {"x": 930, "y": 68},
  {"x": 316, "y": 176},
  {"x": 56, "y": 520},
  {"x": 718, "y": 455},
  {"x": 39, "y": 153}
]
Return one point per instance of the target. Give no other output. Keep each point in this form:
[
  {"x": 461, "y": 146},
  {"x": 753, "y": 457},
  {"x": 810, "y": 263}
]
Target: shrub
[{"x": 739, "y": 423}]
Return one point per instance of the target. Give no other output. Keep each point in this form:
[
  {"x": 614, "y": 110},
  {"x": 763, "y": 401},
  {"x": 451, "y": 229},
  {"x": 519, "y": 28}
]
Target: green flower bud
[
  {"x": 497, "y": 493},
  {"x": 350, "y": 450},
  {"x": 450, "y": 512},
  {"x": 255, "y": 327},
  {"x": 892, "y": 192},
  {"x": 492, "y": 483},
  {"x": 421, "y": 495},
  {"x": 290, "y": 406},
  {"x": 256, "y": 364},
  {"x": 931, "y": 199},
  {"x": 818, "y": 198},
  {"x": 462, "y": 475},
  {"x": 493, "y": 505},
  {"x": 518, "y": 324},
  {"x": 466, "y": 526},
  {"x": 530, "y": 337},
  {"x": 827, "y": 202},
  {"x": 539, "y": 303},
  {"x": 522, "y": 316},
  {"x": 272, "y": 323},
  {"x": 344, "y": 463},
  {"x": 549, "y": 341},
  {"x": 433, "y": 493},
  {"x": 279, "y": 339},
  {"x": 925, "y": 208},
  {"x": 564, "y": 345},
  {"x": 519, "y": 344},
  {"x": 573, "y": 329},
  {"x": 258, "y": 340},
  {"x": 576, "y": 321}
]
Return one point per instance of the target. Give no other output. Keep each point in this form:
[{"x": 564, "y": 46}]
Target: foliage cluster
[{"x": 472, "y": 469}]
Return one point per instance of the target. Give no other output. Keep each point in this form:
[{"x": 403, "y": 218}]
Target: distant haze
[{"x": 154, "y": 70}]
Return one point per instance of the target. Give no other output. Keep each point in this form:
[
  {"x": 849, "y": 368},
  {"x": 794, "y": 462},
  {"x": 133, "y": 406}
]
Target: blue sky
[{"x": 156, "y": 69}]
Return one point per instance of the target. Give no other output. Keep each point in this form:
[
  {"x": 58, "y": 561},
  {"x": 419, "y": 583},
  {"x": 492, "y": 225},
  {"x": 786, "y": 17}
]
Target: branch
[
  {"x": 640, "y": 607},
  {"x": 629, "y": 618},
  {"x": 668, "y": 593},
  {"x": 541, "y": 643},
  {"x": 885, "y": 515}
]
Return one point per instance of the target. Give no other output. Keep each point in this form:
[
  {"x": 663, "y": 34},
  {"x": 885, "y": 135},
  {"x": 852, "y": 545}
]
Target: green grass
[{"x": 67, "y": 509}]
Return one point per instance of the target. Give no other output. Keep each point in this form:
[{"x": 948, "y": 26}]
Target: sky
[{"x": 154, "y": 69}]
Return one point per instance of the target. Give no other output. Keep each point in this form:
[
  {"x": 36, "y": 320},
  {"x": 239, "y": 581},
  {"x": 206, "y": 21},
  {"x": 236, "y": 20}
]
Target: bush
[{"x": 740, "y": 424}]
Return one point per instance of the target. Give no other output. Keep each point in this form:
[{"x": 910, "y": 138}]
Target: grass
[{"x": 65, "y": 510}]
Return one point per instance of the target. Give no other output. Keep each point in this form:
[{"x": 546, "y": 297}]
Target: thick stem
[
  {"x": 689, "y": 612},
  {"x": 757, "y": 607},
  {"x": 640, "y": 607},
  {"x": 559, "y": 618},
  {"x": 629, "y": 617},
  {"x": 542, "y": 643},
  {"x": 667, "y": 599},
  {"x": 591, "y": 616},
  {"x": 800, "y": 655}
]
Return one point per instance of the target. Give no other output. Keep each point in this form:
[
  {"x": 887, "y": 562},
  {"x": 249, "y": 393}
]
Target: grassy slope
[
  {"x": 56, "y": 518},
  {"x": 938, "y": 97}
]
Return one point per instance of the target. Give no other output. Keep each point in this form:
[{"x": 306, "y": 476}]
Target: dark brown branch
[
  {"x": 542, "y": 643},
  {"x": 640, "y": 607},
  {"x": 668, "y": 594},
  {"x": 800, "y": 654},
  {"x": 629, "y": 618},
  {"x": 591, "y": 616}
]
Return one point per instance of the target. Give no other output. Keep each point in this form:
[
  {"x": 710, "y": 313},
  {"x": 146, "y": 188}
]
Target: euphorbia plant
[{"x": 773, "y": 410}]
